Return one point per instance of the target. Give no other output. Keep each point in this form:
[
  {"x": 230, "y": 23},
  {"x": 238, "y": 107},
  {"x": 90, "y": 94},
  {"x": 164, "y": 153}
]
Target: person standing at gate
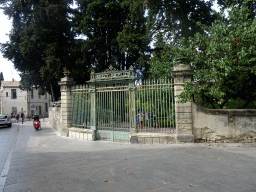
[
  {"x": 141, "y": 120},
  {"x": 137, "y": 120},
  {"x": 155, "y": 121},
  {"x": 149, "y": 118},
  {"x": 146, "y": 119}
]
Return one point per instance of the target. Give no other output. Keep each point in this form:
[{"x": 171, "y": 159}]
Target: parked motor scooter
[{"x": 37, "y": 125}]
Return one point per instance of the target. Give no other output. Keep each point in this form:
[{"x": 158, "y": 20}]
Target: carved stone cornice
[{"x": 184, "y": 73}]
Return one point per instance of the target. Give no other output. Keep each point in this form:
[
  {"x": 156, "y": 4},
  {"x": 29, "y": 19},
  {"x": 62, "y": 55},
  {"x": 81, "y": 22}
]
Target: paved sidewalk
[{"x": 44, "y": 161}]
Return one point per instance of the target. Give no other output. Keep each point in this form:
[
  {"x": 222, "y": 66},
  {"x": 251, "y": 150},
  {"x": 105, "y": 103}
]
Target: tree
[
  {"x": 224, "y": 59},
  {"x": 134, "y": 36},
  {"x": 99, "y": 22},
  {"x": 167, "y": 19},
  {"x": 40, "y": 40}
]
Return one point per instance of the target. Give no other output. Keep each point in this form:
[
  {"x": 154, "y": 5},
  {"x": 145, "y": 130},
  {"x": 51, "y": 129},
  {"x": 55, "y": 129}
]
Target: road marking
[{"x": 7, "y": 164}]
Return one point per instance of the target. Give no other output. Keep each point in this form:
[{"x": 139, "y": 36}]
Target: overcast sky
[{"x": 6, "y": 66}]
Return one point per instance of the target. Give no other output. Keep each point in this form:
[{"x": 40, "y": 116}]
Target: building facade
[
  {"x": 16, "y": 100},
  {"x": 38, "y": 104}
]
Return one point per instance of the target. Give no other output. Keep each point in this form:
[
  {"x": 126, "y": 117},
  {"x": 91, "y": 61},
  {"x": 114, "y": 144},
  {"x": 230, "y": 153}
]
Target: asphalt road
[{"x": 43, "y": 161}]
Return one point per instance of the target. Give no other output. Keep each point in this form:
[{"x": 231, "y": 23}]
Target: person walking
[
  {"x": 22, "y": 117},
  {"x": 17, "y": 117}
]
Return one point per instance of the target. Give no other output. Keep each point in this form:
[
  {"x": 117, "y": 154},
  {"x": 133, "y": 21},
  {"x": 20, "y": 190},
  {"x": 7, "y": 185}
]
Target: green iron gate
[
  {"x": 112, "y": 113},
  {"x": 116, "y": 104}
]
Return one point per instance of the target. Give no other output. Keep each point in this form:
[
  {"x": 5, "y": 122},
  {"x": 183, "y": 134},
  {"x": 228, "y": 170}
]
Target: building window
[
  {"x": 40, "y": 110},
  {"x": 14, "y": 94},
  {"x": 6, "y": 94},
  {"x": 39, "y": 96},
  {"x": 46, "y": 107},
  {"x": 32, "y": 94},
  {"x": 45, "y": 95}
]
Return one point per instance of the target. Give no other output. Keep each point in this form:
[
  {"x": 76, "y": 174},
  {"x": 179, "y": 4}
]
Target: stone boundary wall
[
  {"x": 55, "y": 115},
  {"x": 224, "y": 125}
]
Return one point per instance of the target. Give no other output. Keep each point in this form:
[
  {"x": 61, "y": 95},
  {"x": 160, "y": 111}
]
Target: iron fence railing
[
  {"x": 154, "y": 106},
  {"x": 81, "y": 106}
]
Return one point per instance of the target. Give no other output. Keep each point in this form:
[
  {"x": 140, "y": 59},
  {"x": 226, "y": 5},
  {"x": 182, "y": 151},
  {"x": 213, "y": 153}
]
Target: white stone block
[
  {"x": 77, "y": 135},
  {"x": 90, "y": 137},
  {"x": 81, "y": 135}
]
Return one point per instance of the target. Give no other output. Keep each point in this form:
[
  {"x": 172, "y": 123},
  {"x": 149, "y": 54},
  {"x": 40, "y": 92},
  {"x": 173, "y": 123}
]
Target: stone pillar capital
[
  {"x": 182, "y": 70},
  {"x": 66, "y": 81}
]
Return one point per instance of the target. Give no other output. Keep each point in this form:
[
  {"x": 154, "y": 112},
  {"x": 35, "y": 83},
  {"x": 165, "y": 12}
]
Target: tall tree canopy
[
  {"x": 100, "y": 21},
  {"x": 166, "y": 22},
  {"x": 45, "y": 35},
  {"x": 224, "y": 59}
]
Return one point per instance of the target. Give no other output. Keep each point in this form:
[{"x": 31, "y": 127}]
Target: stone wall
[
  {"x": 224, "y": 125},
  {"x": 55, "y": 115}
]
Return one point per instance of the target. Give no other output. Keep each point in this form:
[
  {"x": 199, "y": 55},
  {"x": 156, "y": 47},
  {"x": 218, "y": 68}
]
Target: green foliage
[
  {"x": 100, "y": 22},
  {"x": 165, "y": 22},
  {"x": 224, "y": 60}
]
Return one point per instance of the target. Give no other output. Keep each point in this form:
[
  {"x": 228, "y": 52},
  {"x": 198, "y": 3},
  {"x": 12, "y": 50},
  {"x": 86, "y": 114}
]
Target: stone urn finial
[
  {"x": 66, "y": 72},
  {"x": 182, "y": 64}
]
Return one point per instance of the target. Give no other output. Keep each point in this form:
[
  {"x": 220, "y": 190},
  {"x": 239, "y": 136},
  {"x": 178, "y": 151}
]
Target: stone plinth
[
  {"x": 84, "y": 134},
  {"x": 182, "y": 73}
]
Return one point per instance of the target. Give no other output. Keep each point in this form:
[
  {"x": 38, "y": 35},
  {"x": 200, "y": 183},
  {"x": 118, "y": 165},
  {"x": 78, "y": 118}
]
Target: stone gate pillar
[
  {"x": 66, "y": 103},
  {"x": 132, "y": 98},
  {"x": 182, "y": 73},
  {"x": 93, "y": 100}
]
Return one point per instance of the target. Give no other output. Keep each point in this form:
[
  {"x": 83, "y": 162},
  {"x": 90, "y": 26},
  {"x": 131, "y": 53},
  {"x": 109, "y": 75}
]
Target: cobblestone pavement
[{"x": 43, "y": 161}]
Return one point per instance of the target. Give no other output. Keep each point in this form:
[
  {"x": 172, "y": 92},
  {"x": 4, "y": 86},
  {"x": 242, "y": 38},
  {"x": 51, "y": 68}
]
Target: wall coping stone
[{"x": 231, "y": 112}]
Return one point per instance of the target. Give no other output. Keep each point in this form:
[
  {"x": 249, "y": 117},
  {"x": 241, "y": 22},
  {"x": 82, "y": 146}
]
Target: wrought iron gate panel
[
  {"x": 117, "y": 105},
  {"x": 155, "y": 106},
  {"x": 81, "y": 106},
  {"x": 112, "y": 111}
]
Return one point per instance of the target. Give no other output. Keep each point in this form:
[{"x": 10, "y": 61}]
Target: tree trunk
[{"x": 53, "y": 95}]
